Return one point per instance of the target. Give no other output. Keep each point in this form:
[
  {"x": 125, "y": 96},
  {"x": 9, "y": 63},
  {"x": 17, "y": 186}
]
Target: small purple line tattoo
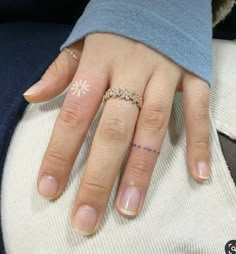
[{"x": 145, "y": 148}]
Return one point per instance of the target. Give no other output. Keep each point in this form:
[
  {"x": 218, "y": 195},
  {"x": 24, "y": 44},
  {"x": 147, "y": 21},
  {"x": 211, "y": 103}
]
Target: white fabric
[{"x": 179, "y": 215}]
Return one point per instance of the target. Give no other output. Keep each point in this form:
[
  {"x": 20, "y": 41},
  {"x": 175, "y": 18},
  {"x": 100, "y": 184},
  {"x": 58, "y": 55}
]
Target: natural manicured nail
[
  {"x": 203, "y": 170},
  {"x": 48, "y": 186},
  {"x": 129, "y": 201},
  {"x": 33, "y": 89},
  {"x": 85, "y": 219}
]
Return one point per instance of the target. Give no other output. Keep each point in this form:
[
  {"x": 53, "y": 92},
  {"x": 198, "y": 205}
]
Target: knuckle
[
  {"x": 201, "y": 114},
  {"x": 140, "y": 170},
  {"x": 114, "y": 129},
  {"x": 202, "y": 144},
  {"x": 154, "y": 116},
  {"x": 54, "y": 161},
  {"x": 71, "y": 113},
  {"x": 94, "y": 185}
]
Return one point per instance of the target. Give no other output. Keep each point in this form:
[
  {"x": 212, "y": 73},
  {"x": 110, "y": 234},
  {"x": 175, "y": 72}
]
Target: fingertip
[
  {"x": 37, "y": 98},
  {"x": 42, "y": 91},
  {"x": 128, "y": 202},
  {"x": 33, "y": 98},
  {"x": 201, "y": 172},
  {"x": 200, "y": 179},
  {"x": 34, "y": 93},
  {"x": 29, "y": 98},
  {"x": 85, "y": 220},
  {"x": 126, "y": 214},
  {"x": 33, "y": 89}
]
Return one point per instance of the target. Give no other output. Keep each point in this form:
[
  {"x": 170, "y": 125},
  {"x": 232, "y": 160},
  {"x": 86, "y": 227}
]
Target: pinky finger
[
  {"x": 57, "y": 77},
  {"x": 196, "y": 115}
]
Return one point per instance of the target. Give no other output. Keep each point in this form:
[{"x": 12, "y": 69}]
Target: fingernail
[
  {"x": 85, "y": 219},
  {"x": 33, "y": 89},
  {"x": 203, "y": 170},
  {"x": 129, "y": 201},
  {"x": 48, "y": 186}
]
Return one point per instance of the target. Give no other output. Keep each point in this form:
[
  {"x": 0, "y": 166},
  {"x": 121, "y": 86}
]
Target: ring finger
[{"x": 145, "y": 148}]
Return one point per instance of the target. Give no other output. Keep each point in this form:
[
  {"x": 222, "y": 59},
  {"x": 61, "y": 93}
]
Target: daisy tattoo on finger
[{"x": 80, "y": 87}]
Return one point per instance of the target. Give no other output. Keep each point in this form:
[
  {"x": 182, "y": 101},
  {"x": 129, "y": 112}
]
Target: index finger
[{"x": 81, "y": 103}]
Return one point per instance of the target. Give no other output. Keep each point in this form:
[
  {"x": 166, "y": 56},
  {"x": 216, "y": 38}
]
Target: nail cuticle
[{"x": 33, "y": 89}]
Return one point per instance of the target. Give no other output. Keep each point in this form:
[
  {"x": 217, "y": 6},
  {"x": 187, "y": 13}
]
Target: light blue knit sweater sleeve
[{"x": 181, "y": 30}]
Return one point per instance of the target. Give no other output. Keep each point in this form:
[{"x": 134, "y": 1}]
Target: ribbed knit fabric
[
  {"x": 223, "y": 97},
  {"x": 181, "y": 30},
  {"x": 180, "y": 216}
]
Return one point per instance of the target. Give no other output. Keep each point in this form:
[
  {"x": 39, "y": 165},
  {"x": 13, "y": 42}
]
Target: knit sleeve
[{"x": 181, "y": 30}]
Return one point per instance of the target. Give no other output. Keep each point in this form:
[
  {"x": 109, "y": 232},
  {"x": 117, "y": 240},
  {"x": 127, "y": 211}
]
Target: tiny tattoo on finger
[
  {"x": 80, "y": 87},
  {"x": 145, "y": 148}
]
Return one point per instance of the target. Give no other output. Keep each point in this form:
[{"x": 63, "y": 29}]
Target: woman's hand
[{"x": 108, "y": 61}]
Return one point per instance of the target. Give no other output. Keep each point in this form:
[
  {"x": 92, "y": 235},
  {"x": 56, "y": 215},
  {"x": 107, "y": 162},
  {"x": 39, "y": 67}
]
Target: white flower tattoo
[{"x": 80, "y": 87}]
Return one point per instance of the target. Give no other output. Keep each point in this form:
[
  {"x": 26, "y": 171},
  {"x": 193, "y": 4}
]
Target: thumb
[{"x": 57, "y": 77}]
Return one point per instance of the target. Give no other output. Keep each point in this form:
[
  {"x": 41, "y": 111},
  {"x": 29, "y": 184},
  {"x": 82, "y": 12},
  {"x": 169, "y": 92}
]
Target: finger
[
  {"x": 57, "y": 77},
  {"x": 80, "y": 106},
  {"x": 146, "y": 145},
  {"x": 196, "y": 115},
  {"x": 108, "y": 150}
]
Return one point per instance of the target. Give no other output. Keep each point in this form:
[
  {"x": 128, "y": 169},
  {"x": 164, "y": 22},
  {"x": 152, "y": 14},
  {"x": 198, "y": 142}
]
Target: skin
[{"x": 108, "y": 60}]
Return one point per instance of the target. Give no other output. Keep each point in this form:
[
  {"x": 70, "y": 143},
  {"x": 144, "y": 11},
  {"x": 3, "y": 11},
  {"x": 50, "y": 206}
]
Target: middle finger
[{"x": 110, "y": 144}]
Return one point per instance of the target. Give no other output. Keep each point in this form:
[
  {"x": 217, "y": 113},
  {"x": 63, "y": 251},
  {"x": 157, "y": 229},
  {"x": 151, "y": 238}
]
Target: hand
[{"x": 109, "y": 60}]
